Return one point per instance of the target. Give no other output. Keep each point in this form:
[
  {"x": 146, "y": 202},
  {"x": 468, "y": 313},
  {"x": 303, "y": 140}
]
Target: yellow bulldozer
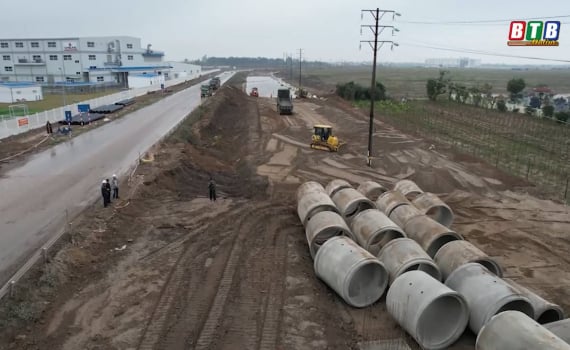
[{"x": 324, "y": 140}]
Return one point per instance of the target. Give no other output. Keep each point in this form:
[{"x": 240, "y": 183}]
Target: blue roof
[
  {"x": 149, "y": 75},
  {"x": 133, "y": 68},
  {"x": 20, "y": 84}
]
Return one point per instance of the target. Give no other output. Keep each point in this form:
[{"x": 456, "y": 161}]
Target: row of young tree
[
  {"x": 355, "y": 92},
  {"x": 481, "y": 96}
]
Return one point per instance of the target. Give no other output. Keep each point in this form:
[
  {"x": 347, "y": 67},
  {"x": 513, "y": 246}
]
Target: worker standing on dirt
[
  {"x": 212, "y": 189},
  {"x": 104, "y": 193},
  {"x": 108, "y": 191},
  {"x": 115, "y": 187},
  {"x": 49, "y": 128}
]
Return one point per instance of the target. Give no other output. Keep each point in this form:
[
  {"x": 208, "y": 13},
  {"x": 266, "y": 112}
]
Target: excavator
[{"x": 324, "y": 140}]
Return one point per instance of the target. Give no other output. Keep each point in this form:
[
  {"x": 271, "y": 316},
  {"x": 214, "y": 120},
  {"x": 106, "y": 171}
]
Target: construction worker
[
  {"x": 115, "y": 187},
  {"x": 104, "y": 193},
  {"x": 212, "y": 189},
  {"x": 108, "y": 190}
]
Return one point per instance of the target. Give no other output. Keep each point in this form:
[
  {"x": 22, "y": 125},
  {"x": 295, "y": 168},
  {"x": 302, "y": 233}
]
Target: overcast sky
[{"x": 327, "y": 30}]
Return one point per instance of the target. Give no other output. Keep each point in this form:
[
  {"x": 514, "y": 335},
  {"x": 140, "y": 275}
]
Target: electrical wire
[{"x": 497, "y": 21}]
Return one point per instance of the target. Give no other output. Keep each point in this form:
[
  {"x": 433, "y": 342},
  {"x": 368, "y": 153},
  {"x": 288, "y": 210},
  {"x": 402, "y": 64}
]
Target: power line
[
  {"x": 485, "y": 21},
  {"x": 486, "y": 53}
]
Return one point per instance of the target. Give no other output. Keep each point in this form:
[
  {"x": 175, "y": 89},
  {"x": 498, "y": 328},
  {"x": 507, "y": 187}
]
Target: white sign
[{"x": 70, "y": 46}]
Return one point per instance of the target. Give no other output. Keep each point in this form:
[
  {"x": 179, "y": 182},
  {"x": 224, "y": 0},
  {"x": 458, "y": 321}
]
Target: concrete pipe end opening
[
  {"x": 551, "y": 314},
  {"x": 421, "y": 265},
  {"x": 440, "y": 241},
  {"x": 514, "y": 303},
  {"x": 336, "y": 185},
  {"x": 319, "y": 209},
  {"x": 491, "y": 265},
  {"x": 443, "y": 321},
  {"x": 358, "y": 207},
  {"x": 441, "y": 214},
  {"x": 381, "y": 239},
  {"x": 367, "y": 283},
  {"x": 323, "y": 236}
]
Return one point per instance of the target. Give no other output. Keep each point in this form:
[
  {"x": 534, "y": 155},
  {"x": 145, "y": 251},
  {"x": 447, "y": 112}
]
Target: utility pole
[
  {"x": 300, "y": 60},
  {"x": 376, "y": 31},
  {"x": 291, "y": 67}
]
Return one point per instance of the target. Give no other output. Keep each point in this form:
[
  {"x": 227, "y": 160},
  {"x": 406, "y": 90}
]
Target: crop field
[{"x": 411, "y": 82}]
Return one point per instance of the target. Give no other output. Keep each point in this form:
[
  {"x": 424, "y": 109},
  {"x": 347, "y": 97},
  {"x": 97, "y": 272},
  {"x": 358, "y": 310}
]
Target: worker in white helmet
[{"x": 115, "y": 186}]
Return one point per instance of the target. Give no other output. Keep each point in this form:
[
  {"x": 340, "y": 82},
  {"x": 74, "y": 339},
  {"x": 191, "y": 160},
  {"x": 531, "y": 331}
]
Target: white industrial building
[
  {"x": 20, "y": 92},
  {"x": 144, "y": 80},
  {"x": 96, "y": 60}
]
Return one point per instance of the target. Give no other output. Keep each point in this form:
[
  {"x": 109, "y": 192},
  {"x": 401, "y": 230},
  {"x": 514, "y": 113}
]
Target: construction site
[{"x": 166, "y": 268}]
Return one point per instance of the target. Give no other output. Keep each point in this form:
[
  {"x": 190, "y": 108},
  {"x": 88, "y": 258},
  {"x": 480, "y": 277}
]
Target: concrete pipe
[
  {"x": 390, "y": 200},
  {"x": 322, "y": 227},
  {"x": 513, "y": 330},
  {"x": 433, "y": 314},
  {"x": 355, "y": 274},
  {"x": 431, "y": 235},
  {"x": 308, "y": 187},
  {"x": 372, "y": 230},
  {"x": 458, "y": 253},
  {"x": 408, "y": 188},
  {"x": 401, "y": 255},
  {"x": 372, "y": 190},
  {"x": 544, "y": 311},
  {"x": 486, "y": 294},
  {"x": 312, "y": 203},
  {"x": 560, "y": 328},
  {"x": 336, "y": 185},
  {"x": 404, "y": 213},
  {"x": 351, "y": 202},
  {"x": 434, "y": 207}
]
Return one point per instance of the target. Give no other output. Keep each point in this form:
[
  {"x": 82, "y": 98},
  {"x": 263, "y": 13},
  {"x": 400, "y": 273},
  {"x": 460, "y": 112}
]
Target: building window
[
  {"x": 130, "y": 57},
  {"x": 67, "y": 57},
  {"x": 77, "y": 73},
  {"x": 39, "y": 79},
  {"x": 8, "y": 69},
  {"x": 19, "y": 44},
  {"x": 51, "y": 43},
  {"x": 53, "y": 57},
  {"x": 6, "y": 58},
  {"x": 4, "y": 45},
  {"x": 100, "y": 78},
  {"x": 76, "y": 61},
  {"x": 35, "y": 44},
  {"x": 37, "y": 58},
  {"x": 92, "y": 57},
  {"x": 90, "y": 44},
  {"x": 129, "y": 46}
]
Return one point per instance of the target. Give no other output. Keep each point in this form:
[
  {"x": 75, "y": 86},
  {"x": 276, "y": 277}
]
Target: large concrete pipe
[
  {"x": 433, "y": 314},
  {"x": 560, "y": 328},
  {"x": 308, "y": 187},
  {"x": 355, "y": 274},
  {"x": 458, "y": 253},
  {"x": 404, "y": 213},
  {"x": 431, "y": 235},
  {"x": 322, "y": 227},
  {"x": 401, "y": 255},
  {"x": 544, "y": 311},
  {"x": 372, "y": 230},
  {"x": 486, "y": 294},
  {"x": 371, "y": 190},
  {"x": 434, "y": 207},
  {"x": 513, "y": 330},
  {"x": 390, "y": 200},
  {"x": 336, "y": 185},
  {"x": 351, "y": 202},
  {"x": 312, "y": 203},
  {"x": 408, "y": 188}
]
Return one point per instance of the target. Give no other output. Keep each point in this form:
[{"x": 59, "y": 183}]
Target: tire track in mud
[{"x": 158, "y": 320}]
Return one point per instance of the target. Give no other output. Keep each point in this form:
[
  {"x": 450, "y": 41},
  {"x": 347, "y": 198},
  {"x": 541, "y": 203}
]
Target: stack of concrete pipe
[{"x": 364, "y": 240}]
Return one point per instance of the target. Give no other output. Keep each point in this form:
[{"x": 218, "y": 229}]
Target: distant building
[
  {"x": 96, "y": 60},
  {"x": 463, "y": 62},
  {"x": 20, "y": 92}
]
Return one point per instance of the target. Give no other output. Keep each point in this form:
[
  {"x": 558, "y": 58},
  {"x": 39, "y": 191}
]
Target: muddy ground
[{"x": 165, "y": 268}]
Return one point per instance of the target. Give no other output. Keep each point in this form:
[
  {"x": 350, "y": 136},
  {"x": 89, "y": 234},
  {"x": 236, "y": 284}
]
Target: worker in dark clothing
[
  {"x": 212, "y": 189},
  {"x": 108, "y": 191},
  {"x": 49, "y": 128},
  {"x": 104, "y": 194}
]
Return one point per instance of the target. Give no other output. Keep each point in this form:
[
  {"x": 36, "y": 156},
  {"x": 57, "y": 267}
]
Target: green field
[
  {"x": 51, "y": 101},
  {"x": 412, "y": 81}
]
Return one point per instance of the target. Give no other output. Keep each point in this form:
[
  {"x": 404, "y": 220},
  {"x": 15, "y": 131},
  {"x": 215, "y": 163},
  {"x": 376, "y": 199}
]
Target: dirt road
[{"x": 168, "y": 269}]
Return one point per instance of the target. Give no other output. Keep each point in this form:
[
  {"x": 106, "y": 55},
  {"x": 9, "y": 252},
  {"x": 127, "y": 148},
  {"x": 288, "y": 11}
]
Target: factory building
[{"x": 98, "y": 60}]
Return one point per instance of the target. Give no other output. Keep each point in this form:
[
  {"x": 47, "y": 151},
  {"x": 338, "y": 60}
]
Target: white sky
[{"x": 326, "y": 30}]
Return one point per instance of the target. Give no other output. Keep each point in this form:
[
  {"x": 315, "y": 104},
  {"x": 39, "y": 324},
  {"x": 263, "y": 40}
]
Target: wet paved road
[
  {"x": 35, "y": 196},
  {"x": 267, "y": 86}
]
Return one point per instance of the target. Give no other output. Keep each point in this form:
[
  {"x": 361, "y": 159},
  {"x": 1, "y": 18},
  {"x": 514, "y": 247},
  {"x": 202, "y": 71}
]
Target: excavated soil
[{"x": 168, "y": 269}]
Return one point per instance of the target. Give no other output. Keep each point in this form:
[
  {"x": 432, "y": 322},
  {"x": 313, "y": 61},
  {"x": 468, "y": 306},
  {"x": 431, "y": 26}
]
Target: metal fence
[
  {"x": 13, "y": 126},
  {"x": 537, "y": 149}
]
